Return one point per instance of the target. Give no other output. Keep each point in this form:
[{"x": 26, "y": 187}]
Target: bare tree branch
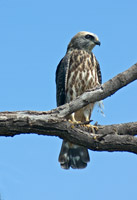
[
  {"x": 106, "y": 90},
  {"x": 108, "y": 138},
  {"x": 117, "y": 137}
]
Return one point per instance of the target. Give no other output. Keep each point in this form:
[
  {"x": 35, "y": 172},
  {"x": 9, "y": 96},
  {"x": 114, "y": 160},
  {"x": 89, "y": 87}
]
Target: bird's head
[{"x": 84, "y": 40}]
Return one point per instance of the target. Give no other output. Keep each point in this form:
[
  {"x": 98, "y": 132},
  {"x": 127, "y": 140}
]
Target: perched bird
[{"x": 77, "y": 72}]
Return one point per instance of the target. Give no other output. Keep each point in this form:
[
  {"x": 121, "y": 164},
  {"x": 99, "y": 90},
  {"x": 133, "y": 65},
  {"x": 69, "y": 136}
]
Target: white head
[{"x": 84, "y": 40}]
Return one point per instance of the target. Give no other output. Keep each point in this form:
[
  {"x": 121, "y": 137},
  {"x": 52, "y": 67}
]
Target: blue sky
[{"x": 33, "y": 38}]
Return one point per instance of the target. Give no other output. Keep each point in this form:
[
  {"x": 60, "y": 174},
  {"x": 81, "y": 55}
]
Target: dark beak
[{"x": 97, "y": 42}]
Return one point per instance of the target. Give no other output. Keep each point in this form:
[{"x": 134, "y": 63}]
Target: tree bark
[{"x": 116, "y": 137}]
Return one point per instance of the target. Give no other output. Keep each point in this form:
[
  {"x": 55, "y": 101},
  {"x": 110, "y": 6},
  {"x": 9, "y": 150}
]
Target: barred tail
[{"x": 72, "y": 155}]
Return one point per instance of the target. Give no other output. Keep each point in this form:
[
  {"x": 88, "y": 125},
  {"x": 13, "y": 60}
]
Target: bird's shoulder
[{"x": 61, "y": 67}]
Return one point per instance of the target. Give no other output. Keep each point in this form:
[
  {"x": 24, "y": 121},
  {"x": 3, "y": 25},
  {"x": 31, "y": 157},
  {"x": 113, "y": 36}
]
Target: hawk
[{"x": 77, "y": 72}]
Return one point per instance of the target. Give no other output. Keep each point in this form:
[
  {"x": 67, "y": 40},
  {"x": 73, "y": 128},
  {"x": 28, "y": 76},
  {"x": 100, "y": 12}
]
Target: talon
[
  {"x": 74, "y": 122},
  {"x": 70, "y": 121},
  {"x": 95, "y": 137},
  {"x": 93, "y": 128},
  {"x": 72, "y": 126}
]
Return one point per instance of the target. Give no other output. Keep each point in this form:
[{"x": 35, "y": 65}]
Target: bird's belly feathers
[{"x": 80, "y": 81}]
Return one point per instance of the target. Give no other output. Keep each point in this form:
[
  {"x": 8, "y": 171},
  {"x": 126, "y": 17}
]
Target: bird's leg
[{"x": 73, "y": 120}]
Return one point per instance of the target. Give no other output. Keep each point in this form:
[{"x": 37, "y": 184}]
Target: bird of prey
[{"x": 77, "y": 72}]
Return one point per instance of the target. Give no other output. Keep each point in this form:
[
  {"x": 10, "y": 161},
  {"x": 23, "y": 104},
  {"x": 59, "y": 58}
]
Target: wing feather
[
  {"x": 61, "y": 77},
  {"x": 98, "y": 68}
]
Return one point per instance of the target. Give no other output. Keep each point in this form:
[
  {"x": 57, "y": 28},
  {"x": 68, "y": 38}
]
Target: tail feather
[{"x": 72, "y": 155}]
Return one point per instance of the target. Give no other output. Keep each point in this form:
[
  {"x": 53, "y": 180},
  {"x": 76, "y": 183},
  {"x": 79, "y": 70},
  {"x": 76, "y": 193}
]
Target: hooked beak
[{"x": 97, "y": 42}]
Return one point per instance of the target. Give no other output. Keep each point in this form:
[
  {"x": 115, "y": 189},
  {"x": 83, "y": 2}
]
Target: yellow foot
[
  {"x": 74, "y": 123},
  {"x": 92, "y": 127}
]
